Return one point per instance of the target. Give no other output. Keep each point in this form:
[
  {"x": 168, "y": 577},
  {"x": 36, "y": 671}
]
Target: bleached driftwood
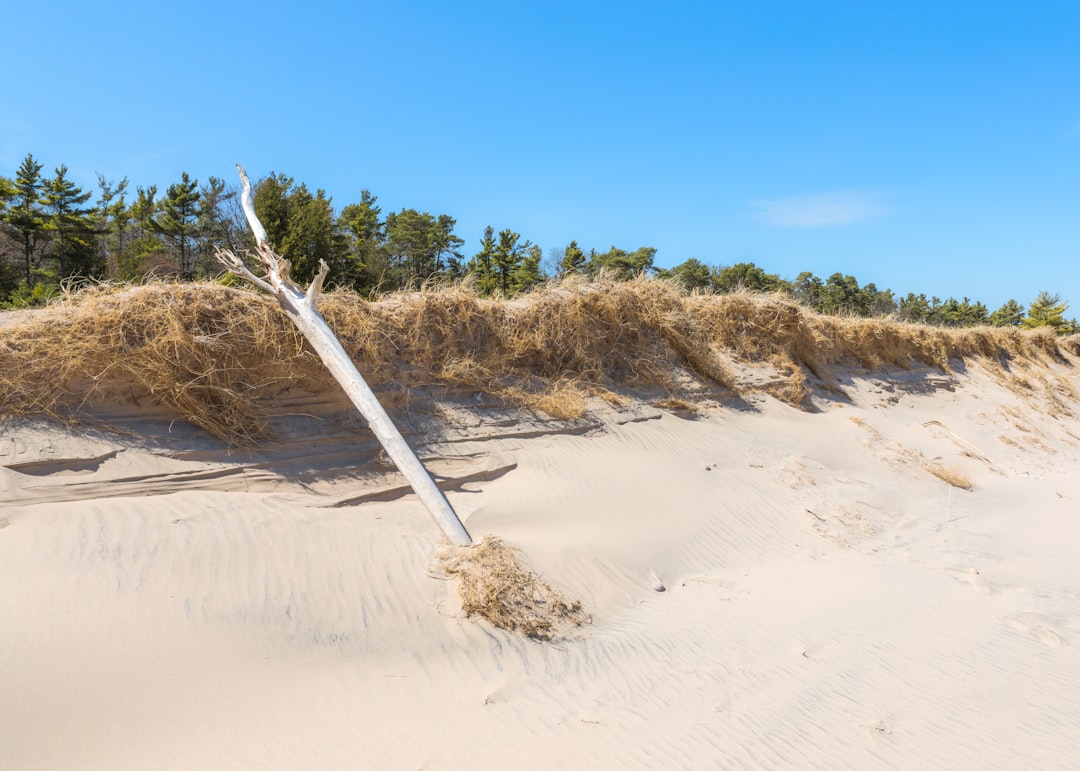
[{"x": 300, "y": 307}]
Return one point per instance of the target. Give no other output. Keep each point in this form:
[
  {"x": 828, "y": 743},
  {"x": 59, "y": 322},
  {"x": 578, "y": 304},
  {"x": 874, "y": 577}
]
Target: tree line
[
  {"x": 842, "y": 295},
  {"x": 52, "y": 230}
]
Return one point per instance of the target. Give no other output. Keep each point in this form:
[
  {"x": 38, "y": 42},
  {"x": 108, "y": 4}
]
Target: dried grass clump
[
  {"x": 206, "y": 351},
  {"x": 950, "y": 475},
  {"x": 495, "y": 586},
  {"x": 549, "y": 349}
]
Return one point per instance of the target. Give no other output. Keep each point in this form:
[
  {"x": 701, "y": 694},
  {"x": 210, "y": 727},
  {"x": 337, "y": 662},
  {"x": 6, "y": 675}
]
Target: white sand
[{"x": 829, "y": 603}]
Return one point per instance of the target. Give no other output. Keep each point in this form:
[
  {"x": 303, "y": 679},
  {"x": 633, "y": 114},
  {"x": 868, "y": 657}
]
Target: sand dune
[{"x": 834, "y": 596}]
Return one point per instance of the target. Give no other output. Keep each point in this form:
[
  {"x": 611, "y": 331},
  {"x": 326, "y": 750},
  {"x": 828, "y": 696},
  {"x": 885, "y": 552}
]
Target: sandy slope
[{"x": 829, "y": 602}]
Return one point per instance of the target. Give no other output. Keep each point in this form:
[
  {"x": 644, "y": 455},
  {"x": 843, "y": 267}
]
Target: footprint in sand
[{"x": 1036, "y": 632}]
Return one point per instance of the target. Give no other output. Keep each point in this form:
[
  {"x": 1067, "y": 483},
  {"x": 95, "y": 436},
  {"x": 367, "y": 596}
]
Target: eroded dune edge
[{"x": 865, "y": 531}]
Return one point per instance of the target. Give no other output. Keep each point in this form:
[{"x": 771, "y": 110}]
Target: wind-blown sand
[{"x": 829, "y": 602}]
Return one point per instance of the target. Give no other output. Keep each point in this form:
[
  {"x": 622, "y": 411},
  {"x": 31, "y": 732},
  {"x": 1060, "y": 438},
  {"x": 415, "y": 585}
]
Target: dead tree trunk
[{"x": 300, "y": 307}]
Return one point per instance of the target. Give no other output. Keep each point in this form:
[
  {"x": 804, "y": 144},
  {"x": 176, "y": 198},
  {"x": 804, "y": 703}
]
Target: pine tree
[
  {"x": 24, "y": 216},
  {"x": 621, "y": 264},
  {"x": 692, "y": 274},
  {"x": 312, "y": 236},
  {"x": 272, "y": 195},
  {"x": 1011, "y": 314},
  {"x": 573, "y": 260},
  {"x": 302, "y": 228},
  {"x": 177, "y": 218},
  {"x": 527, "y": 274},
  {"x": 364, "y": 235},
  {"x": 747, "y": 275},
  {"x": 9, "y": 275},
  {"x": 1046, "y": 310},
  {"x": 417, "y": 242},
  {"x": 482, "y": 265},
  {"x": 113, "y": 217},
  {"x": 73, "y": 243}
]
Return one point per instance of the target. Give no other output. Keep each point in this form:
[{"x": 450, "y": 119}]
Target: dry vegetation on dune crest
[{"x": 218, "y": 356}]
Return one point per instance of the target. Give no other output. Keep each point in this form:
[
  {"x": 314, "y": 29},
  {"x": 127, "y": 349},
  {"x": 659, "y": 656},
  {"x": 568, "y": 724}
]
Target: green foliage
[
  {"x": 692, "y": 274},
  {"x": 32, "y": 295},
  {"x": 312, "y": 236},
  {"x": 176, "y": 221},
  {"x": 71, "y": 226},
  {"x": 1011, "y": 314},
  {"x": 947, "y": 313},
  {"x": 1047, "y": 310},
  {"x": 366, "y": 261},
  {"x": 422, "y": 247},
  {"x": 961, "y": 313},
  {"x": 505, "y": 265},
  {"x": 301, "y": 227},
  {"x": 112, "y": 218},
  {"x": 620, "y": 264},
  {"x": 573, "y": 260},
  {"x": 47, "y": 221},
  {"x": 24, "y": 216},
  {"x": 807, "y": 289},
  {"x": 746, "y": 275}
]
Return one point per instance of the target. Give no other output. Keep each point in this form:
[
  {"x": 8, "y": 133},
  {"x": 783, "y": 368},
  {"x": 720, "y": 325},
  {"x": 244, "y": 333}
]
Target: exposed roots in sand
[{"x": 497, "y": 587}]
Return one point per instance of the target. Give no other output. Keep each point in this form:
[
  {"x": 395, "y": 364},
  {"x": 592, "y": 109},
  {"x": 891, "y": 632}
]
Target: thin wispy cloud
[{"x": 820, "y": 210}]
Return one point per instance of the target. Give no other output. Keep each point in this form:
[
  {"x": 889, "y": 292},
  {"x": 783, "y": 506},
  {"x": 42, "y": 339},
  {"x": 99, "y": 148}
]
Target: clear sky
[{"x": 924, "y": 146}]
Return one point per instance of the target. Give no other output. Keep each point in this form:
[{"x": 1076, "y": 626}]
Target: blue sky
[{"x": 924, "y": 146}]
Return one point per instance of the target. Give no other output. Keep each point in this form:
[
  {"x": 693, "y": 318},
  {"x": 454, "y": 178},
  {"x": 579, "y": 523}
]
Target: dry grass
[
  {"x": 950, "y": 475},
  {"x": 218, "y": 356},
  {"x": 206, "y": 352},
  {"x": 495, "y": 586}
]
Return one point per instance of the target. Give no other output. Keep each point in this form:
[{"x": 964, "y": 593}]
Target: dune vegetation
[{"x": 217, "y": 356}]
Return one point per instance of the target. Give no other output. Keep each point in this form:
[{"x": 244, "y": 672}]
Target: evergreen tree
[
  {"x": 914, "y": 308},
  {"x": 692, "y": 274},
  {"x": 807, "y": 289},
  {"x": 364, "y": 236},
  {"x": 142, "y": 249},
  {"x": 113, "y": 217},
  {"x": 1047, "y": 310},
  {"x": 746, "y": 275},
  {"x": 312, "y": 237},
  {"x": 505, "y": 265},
  {"x": 573, "y": 260},
  {"x": 482, "y": 265},
  {"x": 960, "y": 313},
  {"x": 528, "y": 274},
  {"x": 272, "y": 206},
  {"x": 177, "y": 221},
  {"x": 880, "y": 302},
  {"x": 9, "y": 274},
  {"x": 72, "y": 226},
  {"x": 842, "y": 295},
  {"x": 418, "y": 243},
  {"x": 302, "y": 228},
  {"x": 24, "y": 215},
  {"x": 621, "y": 264},
  {"x": 1011, "y": 314}
]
